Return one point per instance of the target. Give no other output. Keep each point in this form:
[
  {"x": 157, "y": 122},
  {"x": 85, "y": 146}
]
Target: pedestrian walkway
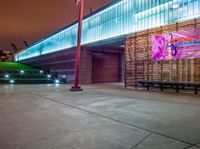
[{"x": 103, "y": 116}]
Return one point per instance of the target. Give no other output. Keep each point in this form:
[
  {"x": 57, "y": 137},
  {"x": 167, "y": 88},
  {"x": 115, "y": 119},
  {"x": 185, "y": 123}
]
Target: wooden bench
[{"x": 174, "y": 85}]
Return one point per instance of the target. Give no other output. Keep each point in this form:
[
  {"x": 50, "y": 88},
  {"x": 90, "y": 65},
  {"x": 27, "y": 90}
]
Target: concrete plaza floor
[{"x": 103, "y": 116}]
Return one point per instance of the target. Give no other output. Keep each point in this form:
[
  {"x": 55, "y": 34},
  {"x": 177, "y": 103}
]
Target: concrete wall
[
  {"x": 86, "y": 62},
  {"x": 58, "y": 63},
  {"x": 63, "y": 63}
]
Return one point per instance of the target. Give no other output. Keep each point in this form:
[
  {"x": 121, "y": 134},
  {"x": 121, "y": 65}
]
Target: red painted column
[{"x": 76, "y": 86}]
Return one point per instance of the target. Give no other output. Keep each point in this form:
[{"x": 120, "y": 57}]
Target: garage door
[{"x": 105, "y": 67}]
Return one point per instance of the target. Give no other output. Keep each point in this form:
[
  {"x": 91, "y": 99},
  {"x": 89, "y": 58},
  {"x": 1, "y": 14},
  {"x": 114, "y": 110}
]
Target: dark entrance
[{"x": 105, "y": 67}]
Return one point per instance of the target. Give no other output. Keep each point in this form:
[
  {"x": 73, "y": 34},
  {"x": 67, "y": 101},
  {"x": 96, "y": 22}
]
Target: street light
[{"x": 76, "y": 86}]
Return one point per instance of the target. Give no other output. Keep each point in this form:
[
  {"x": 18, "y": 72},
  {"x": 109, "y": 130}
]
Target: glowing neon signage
[{"x": 176, "y": 45}]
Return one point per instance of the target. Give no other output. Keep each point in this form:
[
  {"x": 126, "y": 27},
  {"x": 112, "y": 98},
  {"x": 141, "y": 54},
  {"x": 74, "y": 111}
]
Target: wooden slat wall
[
  {"x": 139, "y": 65},
  {"x": 85, "y": 73}
]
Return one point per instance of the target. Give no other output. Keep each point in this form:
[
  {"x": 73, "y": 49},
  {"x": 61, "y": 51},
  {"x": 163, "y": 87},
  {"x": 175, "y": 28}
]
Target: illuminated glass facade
[{"x": 121, "y": 17}]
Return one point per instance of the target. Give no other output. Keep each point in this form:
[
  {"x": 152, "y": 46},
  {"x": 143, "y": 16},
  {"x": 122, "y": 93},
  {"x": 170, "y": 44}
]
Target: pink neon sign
[{"x": 176, "y": 45}]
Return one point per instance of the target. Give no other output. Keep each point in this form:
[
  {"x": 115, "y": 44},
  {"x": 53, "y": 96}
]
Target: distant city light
[
  {"x": 41, "y": 71},
  {"x": 22, "y": 71},
  {"x": 57, "y": 81},
  {"x": 48, "y": 76},
  {"x": 12, "y": 81},
  {"x": 64, "y": 76},
  {"x": 7, "y": 75}
]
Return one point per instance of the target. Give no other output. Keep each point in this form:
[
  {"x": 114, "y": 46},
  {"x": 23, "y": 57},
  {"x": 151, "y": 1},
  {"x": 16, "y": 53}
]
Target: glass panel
[{"x": 121, "y": 18}]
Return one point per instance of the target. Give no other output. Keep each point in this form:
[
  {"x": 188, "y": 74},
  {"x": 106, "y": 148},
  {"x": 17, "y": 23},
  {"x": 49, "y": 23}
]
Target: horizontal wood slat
[{"x": 139, "y": 65}]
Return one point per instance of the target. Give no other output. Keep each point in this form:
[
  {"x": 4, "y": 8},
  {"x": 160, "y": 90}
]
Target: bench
[{"x": 168, "y": 84}]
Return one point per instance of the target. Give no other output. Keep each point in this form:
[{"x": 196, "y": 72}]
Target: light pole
[{"x": 76, "y": 86}]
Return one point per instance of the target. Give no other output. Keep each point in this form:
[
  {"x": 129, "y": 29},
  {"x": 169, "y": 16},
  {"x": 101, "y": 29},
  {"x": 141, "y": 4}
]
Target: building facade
[{"x": 117, "y": 43}]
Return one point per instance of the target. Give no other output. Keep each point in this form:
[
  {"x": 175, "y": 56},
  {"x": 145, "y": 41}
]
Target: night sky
[{"x": 32, "y": 20}]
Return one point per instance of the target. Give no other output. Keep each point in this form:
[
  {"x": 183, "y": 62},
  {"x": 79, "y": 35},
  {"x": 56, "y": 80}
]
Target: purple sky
[{"x": 32, "y": 20}]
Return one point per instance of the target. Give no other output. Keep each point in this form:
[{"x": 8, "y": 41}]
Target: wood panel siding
[{"x": 139, "y": 65}]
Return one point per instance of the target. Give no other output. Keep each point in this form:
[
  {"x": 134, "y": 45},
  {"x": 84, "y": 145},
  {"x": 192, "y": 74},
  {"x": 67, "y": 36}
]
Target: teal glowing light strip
[{"x": 121, "y": 18}]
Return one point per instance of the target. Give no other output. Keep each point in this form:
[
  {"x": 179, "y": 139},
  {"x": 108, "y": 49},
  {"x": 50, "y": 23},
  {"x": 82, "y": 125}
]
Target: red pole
[{"x": 76, "y": 86}]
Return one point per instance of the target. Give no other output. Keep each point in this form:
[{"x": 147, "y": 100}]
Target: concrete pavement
[{"x": 103, "y": 116}]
